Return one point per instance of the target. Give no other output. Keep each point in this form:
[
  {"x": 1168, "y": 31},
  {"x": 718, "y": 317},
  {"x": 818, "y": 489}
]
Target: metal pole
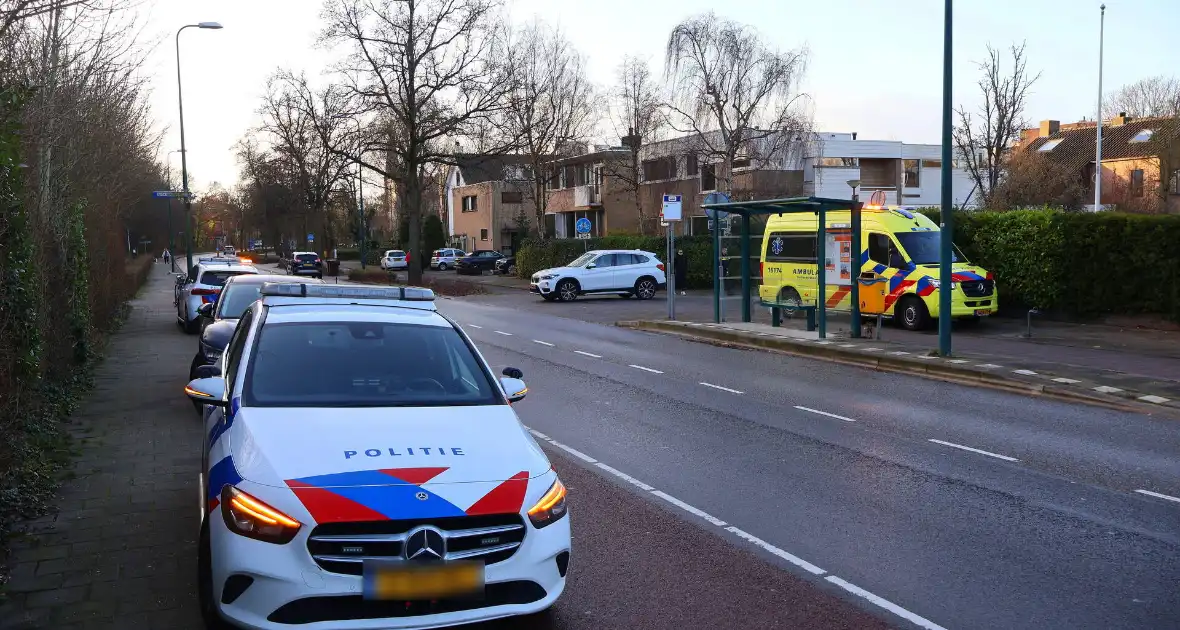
[
  {"x": 857, "y": 265},
  {"x": 821, "y": 300},
  {"x": 188, "y": 205},
  {"x": 671, "y": 278},
  {"x": 745, "y": 266},
  {"x": 171, "y": 249},
  {"x": 1098, "y": 144},
  {"x": 360, "y": 186},
  {"x": 947, "y": 235},
  {"x": 717, "y": 269}
]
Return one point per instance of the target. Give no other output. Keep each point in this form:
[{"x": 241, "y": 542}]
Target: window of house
[
  {"x": 1050, "y": 145},
  {"x": 1174, "y": 184},
  {"x": 469, "y": 202},
  {"x": 1143, "y": 136},
  {"x": 510, "y": 196},
  {"x": 741, "y": 162},
  {"x": 1137, "y": 182},
  {"x": 931, "y": 163},
  {"x": 690, "y": 164},
  {"x": 659, "y": 168},
  {"x": 913, "y": 172},
  {"x": 708, "y": 177},
  {"x": 483, "y": 234},
  {"x": 838, "y": 161}
]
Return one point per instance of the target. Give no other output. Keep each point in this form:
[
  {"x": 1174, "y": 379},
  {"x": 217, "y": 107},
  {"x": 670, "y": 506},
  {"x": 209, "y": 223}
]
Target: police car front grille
[
  {"x": 343, "y": 547},
  {"x": 978, "y": 288}
]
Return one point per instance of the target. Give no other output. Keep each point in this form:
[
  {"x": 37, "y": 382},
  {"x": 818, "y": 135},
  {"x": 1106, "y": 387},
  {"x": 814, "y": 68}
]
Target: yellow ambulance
[{"x": 898, "y": 246}]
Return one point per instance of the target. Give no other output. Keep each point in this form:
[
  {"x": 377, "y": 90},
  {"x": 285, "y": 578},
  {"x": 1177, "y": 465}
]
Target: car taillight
[
  {"x": 204, "y": 292},
  {"x": 762, "y": 269},
  {"x": 660, "y": 266}
]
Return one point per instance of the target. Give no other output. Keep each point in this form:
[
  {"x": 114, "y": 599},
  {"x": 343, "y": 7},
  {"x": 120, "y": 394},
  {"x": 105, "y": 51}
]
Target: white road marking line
[
  {"x": 913, "y": 618},
  {"x": 1025, "y": 372},
  {"x": 501, "y": 332},
  {"x": 926, "y": 356},
  {"x": 824, "y": 343},
  {"x": 988, "y": 366},
  {"x": 1066, "y": 380},
  {"x": 956, "y": 360},
  {"x": 625, "y": 477},
  {"x": 1107, "y": 389},
  {"x": 543, "y": 343},
  {"x": 899, "y": 352},
  {"x": 1159, "y": 496},
  {"x": 724, "y": 389},
  {"x": 789, "y": 557},
  {"x": 645, "y": 369},
  {"x": 824, "y": 413},
  {"x": 573, "y": 451},
  {"x": 847, "y": 345},
  {"x": 539, "y": 434},
  {"x": 474, "y": 326},
  {"x": 1151, "y": 398},
  {"x": 871, "y": 349},
  {"x": 688, "y": 508},
  {"x": 596, "y": 356},
  {"x": 975, "y": 450}
]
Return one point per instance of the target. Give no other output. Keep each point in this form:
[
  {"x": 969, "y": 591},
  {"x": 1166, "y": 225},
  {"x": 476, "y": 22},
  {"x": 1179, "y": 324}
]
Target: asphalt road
[
  {"x": 962, "y": 507},
  {"x": 117, "y": 556}
]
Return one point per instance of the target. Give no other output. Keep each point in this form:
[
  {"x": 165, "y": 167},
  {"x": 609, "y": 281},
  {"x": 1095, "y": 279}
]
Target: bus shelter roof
[{"x": 781, "y": 206}]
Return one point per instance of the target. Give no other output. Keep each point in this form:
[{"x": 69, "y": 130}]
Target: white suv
[
  {"x": 202, "y": 285},
  {"x": 622, "y": 272}
]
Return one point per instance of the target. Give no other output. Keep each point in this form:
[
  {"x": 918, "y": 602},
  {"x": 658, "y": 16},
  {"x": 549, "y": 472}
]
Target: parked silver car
[{"x": 445, "y": 258}]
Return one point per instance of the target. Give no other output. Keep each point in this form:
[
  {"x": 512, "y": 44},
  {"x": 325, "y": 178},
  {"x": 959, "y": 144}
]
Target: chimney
[
  {"x": 1049, "y": 127},
  {"x": 1120, "y": 120},
  {"x": 854, "y": 135}
]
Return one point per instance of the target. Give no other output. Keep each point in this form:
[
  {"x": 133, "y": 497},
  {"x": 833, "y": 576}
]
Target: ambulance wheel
[{"x": 912, "y": 313}]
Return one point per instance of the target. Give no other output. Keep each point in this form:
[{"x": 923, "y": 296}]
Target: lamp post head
[
  {"x": 212, "y": 25},
  {"x": 854, "y": 183}
]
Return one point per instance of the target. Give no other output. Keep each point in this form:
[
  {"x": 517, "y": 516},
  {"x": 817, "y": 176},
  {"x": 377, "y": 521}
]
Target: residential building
[
  {"x": 580, "y": 186},
  {"x": 904, "y": 174},
  {"x": 486, "y": 198},
  {"x": 1140, "y": 159}
]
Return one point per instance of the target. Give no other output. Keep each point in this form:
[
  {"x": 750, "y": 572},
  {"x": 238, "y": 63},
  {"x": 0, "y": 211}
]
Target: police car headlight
[
  {"x": 249, "y": 517},
  {"x": 551, "y": 507}
]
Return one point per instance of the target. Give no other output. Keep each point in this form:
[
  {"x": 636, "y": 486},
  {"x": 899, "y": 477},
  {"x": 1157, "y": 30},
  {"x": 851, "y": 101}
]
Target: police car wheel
[{"x": 209, "y": 615}]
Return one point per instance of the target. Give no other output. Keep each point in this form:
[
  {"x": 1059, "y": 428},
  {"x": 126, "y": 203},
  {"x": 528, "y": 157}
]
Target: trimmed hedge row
[
  {"x": 535, "y": 255},
  {"x": 1083, "y": 264}
]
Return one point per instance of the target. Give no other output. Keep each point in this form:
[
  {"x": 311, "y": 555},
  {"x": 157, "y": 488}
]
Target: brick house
[
  {"x": 1140, "y": 159},
  {"x": 486, "y": 195}
]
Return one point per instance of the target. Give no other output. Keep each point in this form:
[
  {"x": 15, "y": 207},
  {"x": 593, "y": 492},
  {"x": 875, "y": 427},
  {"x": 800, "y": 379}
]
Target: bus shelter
[{"x": 820, "y": 206}]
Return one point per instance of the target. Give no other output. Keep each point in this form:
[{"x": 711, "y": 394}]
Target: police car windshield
[
  {"x": 365, "y": 364},
  {"x": 581, "y": 261},
  {"x": 923, "y": 247},
  {"x": 235, "y": 299}
]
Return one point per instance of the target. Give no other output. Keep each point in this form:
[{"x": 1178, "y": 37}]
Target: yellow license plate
[
  {"x": 982, "y": 312},
  {"x": 414, "y": 581}
]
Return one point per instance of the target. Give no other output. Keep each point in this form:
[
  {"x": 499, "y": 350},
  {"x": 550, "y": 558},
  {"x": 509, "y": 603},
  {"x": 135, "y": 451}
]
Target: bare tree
[
  {"x": 638, "y": 115},
  {"x": 984, "y": 141},
  {"x": 1147, "y": 98},
  {"x": 735, "y": 93},
  {"x": 552, "y": 104},
  {"x": 426, "y": 73}
]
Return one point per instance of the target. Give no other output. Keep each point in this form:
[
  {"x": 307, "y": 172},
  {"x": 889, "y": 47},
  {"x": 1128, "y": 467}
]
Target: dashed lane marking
[
  {"x": 474, "y": 326},
  {"x": 1067, "y": 381},
  {"x": 595, "y": 356},
  {"x": 1107, "y": 389},
  {"x": 501, "y": 332},
  {"x": 1159, "y": 496},
  {"x": 975, "y": 450},
  {"x": 1025, "y": 372},
  {"x": 1159, "y": 400},
  {"x": 543, "y": 343},
  {"x": 824, "y": 413},
  {"x": 988, "y": 366},
  {"x": 724, "y": 389},
  {"x": 645, "y": 369}
]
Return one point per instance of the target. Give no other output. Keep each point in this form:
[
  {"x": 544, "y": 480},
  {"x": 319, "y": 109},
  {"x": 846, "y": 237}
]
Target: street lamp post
[
  {"x": 188, "y": 204},
  {"x": 854, "y": 213},
  {"x": 1098, "y": 147},
  {"x": 946, "y": 253},
  {"x": 171, "y": 232}
]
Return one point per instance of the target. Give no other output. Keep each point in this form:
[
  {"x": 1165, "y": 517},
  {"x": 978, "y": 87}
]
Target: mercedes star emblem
[
  {"x": 425, "y": 543},
  {"x": 422, "y": 496}
]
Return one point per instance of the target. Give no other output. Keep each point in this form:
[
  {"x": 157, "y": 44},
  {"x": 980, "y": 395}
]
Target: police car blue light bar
[{"x": 294, "y": 289}]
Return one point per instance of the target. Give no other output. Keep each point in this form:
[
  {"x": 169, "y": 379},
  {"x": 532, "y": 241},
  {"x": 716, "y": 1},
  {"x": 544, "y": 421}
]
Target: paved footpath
[{"x": 121, "y": 550}]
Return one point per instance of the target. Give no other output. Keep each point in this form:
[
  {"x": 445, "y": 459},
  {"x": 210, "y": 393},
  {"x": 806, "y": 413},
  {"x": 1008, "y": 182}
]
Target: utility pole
[
  {"x": 188, "y": 203},
  {"x": 1098, "y": 148},
  {"x": 946, "y": 253}
]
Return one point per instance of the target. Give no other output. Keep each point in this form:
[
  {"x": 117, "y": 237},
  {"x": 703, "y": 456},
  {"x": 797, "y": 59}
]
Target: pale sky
[{"x": 875, "y": 65}]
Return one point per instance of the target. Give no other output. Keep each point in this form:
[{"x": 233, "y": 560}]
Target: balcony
[{"x": 587, "y": 196}]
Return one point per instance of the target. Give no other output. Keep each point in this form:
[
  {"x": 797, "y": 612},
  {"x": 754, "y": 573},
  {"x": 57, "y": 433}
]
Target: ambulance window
[
  {"x": 791, "y": 247},
  {"x": 879, "y": 248}
]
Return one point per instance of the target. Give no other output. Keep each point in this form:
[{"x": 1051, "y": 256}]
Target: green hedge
[
  {"x": 535, "y": 255},
  {"x": 1083, "y": 264}
]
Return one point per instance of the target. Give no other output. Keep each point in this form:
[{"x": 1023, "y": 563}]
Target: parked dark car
[
  {"x": 506, "y": 266},
  {"x": 306, "y": 264},
  {"x": 477, "y": 262}
]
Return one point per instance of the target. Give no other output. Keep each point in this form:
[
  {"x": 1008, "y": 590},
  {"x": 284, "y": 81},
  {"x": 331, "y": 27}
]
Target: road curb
[{"x": 886, "y": 363}]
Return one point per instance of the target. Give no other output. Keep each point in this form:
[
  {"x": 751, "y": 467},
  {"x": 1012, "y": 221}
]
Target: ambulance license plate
[
  {"x": 982, "y": 313},
  {"x": 400, "y": 580}
]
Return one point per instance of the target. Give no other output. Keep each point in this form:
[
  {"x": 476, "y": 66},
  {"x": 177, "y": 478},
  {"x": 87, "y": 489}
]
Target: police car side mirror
[
  {"x": 207, "y": 391},
  {"x": 512, "y": 372},
  {"x": 514, "y": 389}
]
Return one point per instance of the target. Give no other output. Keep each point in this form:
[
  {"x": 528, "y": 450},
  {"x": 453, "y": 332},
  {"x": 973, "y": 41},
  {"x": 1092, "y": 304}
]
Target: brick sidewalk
[{"x": 121, "y": 550}]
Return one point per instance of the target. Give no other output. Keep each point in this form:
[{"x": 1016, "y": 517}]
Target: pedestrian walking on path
[{"x": 680, "y": 265}]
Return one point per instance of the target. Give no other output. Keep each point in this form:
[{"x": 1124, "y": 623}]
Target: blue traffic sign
[
  {"x": 310, "y": 237},
  {"x": 582, "y": 226},
  {"x": 716, "y": 197},
  {"x": 170, "y": 194}
]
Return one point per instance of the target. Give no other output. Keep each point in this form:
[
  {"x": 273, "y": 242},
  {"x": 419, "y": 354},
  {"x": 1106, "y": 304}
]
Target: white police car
[{"x": 363, "y": 468}]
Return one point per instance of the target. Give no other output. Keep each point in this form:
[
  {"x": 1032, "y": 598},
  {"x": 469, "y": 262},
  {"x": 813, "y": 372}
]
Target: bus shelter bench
[{"x": 777, "y": 308}]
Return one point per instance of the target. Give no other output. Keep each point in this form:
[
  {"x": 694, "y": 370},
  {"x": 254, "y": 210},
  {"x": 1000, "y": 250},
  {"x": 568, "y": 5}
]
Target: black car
[
  {"x": 477, "y": 262},
  {"x": 506, "y": 266},
  {"x": 306, "y": 264},
  {"x": 220, "y": 317}
]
